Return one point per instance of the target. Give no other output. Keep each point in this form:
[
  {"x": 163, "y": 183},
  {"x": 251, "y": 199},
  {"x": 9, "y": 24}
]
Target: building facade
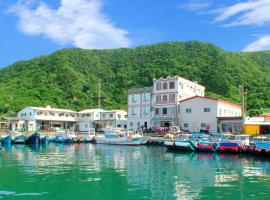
[
  {"x": 167, "y": 93},
  {"x": 139, "y": 108},
  {"x": 43, "y": 119},
  {"x": 49, "y": 119},
  {"x": 202, "y": 113}
]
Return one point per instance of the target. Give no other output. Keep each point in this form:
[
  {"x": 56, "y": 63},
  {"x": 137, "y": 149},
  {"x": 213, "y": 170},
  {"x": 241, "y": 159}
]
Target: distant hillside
[{"x": 68, "y": 78}]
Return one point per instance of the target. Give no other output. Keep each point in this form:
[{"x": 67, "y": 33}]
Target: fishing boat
[
  {"x": 143, "y": 139},
  {"x": 169, "y": 141},
  {"x": 18, "y": 139},
  {"x": 116, "y": 137},
  {"x": 205, "y": 143},
  {"x": 44, "y": 139},
  {"x": 261, "y": 146},
  {"x": 62, "y": 139},
  {"x": 182, "y": 142},
  {"x": 5, "y": 139},
  {"x": 233, "y": 143},
  {"x": 33, "y": 139}
]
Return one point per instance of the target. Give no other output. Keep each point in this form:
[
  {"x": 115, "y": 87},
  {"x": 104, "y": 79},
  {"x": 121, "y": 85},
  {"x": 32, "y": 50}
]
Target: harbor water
[{"x": 101, "y": 172}]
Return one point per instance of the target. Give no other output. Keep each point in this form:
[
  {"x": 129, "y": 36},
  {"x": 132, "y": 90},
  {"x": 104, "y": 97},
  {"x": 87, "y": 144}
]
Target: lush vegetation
[{"x": 69, "y": 78}]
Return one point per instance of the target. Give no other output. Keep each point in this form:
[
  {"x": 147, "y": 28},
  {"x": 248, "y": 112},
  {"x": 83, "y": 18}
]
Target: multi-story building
[
  {"x": 44, "y": 119},
  {"x": 87, "y": 119},
  {"x": 167, "y": 93},
  {"x": 203, "y": 114},
  {"x": 47, "y": 119},
  {"x": 139, "y": 108},
  {"x": 112, "y": 119}
]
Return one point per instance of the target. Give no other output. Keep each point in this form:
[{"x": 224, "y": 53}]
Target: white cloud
[
  {"x": 262, "y": 43},
  {"x": 195, "y": 5},
  {"x": 80, "y": 23},
  {"x": 252, "y": 12}
]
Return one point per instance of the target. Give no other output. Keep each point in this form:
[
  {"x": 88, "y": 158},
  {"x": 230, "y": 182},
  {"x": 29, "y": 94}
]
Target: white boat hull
[{"x": 118, "y": 141}]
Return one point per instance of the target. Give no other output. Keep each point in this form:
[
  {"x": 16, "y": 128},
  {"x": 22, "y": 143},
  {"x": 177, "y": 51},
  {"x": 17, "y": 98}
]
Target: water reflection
[{"x": 142, "y": 172}]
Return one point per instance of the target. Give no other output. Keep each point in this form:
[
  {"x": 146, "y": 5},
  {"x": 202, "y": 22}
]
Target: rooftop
[
  {"x": 48, "y": 108},
  {"x": 214, "y": 99}
]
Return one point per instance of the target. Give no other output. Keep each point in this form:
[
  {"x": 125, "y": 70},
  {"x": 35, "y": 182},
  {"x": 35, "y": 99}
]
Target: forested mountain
[{"x": 69, "y": 78}]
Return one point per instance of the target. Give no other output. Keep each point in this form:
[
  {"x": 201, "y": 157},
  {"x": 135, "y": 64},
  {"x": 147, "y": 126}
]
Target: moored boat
[
  {"x": 5, "y": 139},
  {"x": 261, "y": 146},
  {"x": 62, "y": 139},
  {"x": 233, "y": 143},
  {"x": 33, "y": 139},
  {"x": 116, "y": 137},
  {"x": 18, "y": 139},
  {"x": 182, "y": 142}
]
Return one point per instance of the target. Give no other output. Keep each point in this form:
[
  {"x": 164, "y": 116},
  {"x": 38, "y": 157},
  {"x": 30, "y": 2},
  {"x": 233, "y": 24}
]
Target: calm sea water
[{"x": 87, "y": 171}]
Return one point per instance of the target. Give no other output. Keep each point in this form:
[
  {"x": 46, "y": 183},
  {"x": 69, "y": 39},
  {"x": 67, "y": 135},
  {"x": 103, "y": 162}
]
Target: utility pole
[
  {"x": 243, "y": 101},
  {"x": 99, "y": 94}
]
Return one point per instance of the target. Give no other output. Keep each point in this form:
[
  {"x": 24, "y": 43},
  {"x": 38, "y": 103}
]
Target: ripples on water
[{"x": 86, "y": 171}]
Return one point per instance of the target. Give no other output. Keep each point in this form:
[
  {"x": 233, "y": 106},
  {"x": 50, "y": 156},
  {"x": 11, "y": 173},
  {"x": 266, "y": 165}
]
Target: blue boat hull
[
  {"x": 6, "y": 140},
  {"x": 33, "y": 139}
]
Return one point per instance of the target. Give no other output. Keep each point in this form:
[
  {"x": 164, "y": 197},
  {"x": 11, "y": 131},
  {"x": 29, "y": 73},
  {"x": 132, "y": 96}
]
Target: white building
[
  {"x": 87, "y": 118},
  {"x": 112, "y": 119},
  {"x": 167, "y": 93},
  {"x": 139, "y": 108},
  {"x": 202, "y": 113},
  {"x": 49, "y": 119},
  {"x": 44, "y": 119}
]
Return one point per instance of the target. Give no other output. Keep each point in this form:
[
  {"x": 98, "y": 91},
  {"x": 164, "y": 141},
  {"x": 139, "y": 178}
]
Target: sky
[{"x": 30, "y": 28}]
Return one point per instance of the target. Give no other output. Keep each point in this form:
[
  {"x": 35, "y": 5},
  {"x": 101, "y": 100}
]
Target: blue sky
[{"x": 31, "y": 28}]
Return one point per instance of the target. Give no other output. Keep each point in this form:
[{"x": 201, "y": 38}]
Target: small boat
[
  {"x": 62, "y": 139},
  {"x": 44, "y": 139},
  {"x": 5, "y": 139},
  {"x": 33, "y": 139},
  {"x": 143, "y": 139},
  {"x": 204, "y": 143},
  {"x": 233, "y": 143},
  {"x": 169, "y": 141},
  {"x": 117, "y": 138},
  {"x": 261, "y": 146},
  {"x": 18, "y": 139},
  {"x": 182, "y": 142}
]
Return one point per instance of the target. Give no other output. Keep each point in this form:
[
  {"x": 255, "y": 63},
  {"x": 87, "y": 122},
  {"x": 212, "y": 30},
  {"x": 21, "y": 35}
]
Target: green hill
[{"x": 69, "y": 78}]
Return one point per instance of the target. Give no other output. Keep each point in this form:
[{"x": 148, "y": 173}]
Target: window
[
  {"x": 165, "y": 111},
  {"x": 225, "y": 111},
  {"x": 133, "y": 111},
  {"x": 103, "y": 116},
  {"x": 158, "y": 86},
  {"x": 203, "y": 125},
  {"x": 164, "y": 98},
  {"x": 157, "y": 111},
  {"x": 138, "y": 124},
  {"x": 111, "y": 115},
  {"x": 134, "y": 98},
  {"x": 165, "y": 86},
  {"x": 172, "y": 98},
  {"x": 30, "y": 113},
  {"x": 88, "y": 115},
  {"x": 207, "y": 110},
  {"x": 131, "y": 124},
  {"x": 119, "y": 116},
  {"x": 145, "y": 110},
  {"x": 146, "y": 97},
  {"x": 185, "y": 125},
  {"x": 67, "y": 115},
  {"x": 188, "y": 110},
  {"x": 172, "y": 85},
  {"x": 158, "y": 98}
]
